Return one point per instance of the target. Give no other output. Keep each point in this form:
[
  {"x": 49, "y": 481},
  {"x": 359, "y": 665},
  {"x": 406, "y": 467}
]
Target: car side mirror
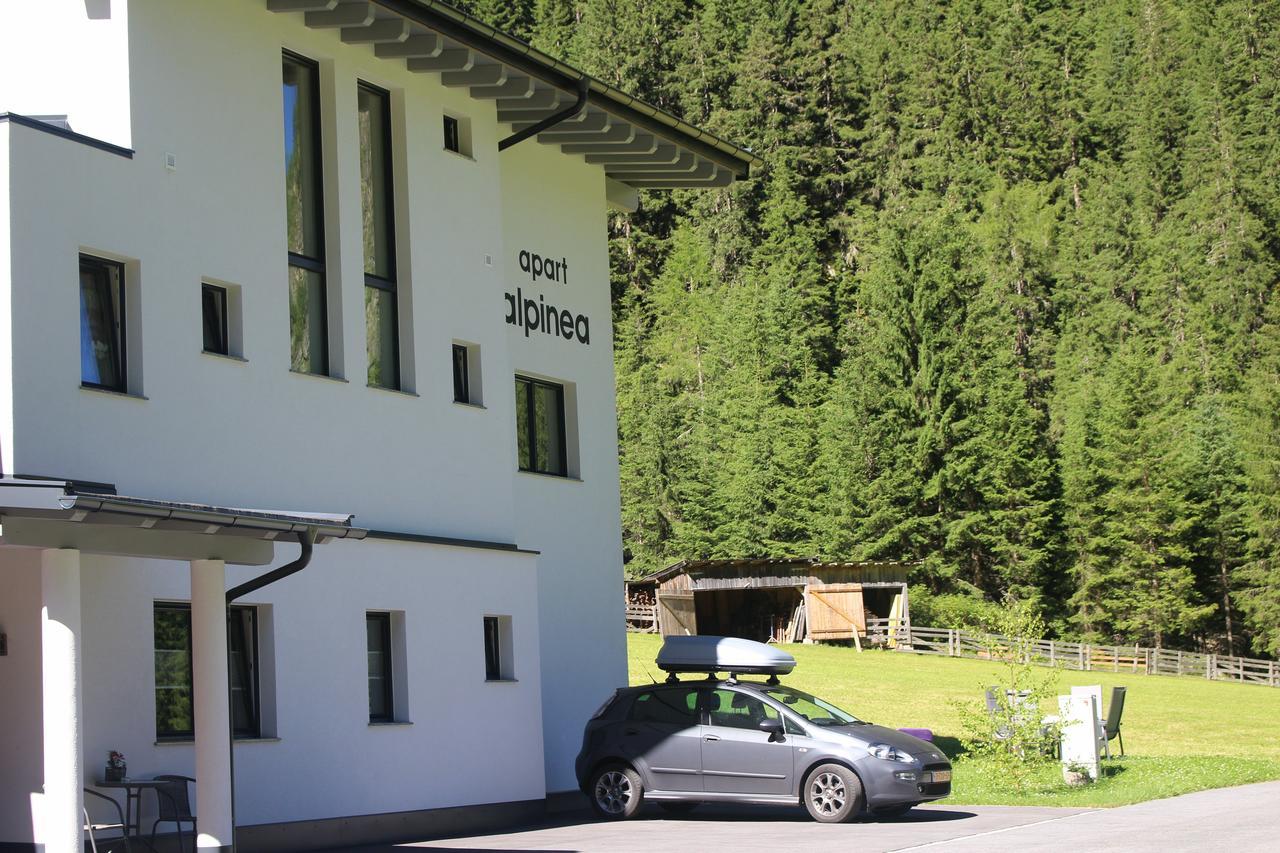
[{"x": 773, "y": 727}]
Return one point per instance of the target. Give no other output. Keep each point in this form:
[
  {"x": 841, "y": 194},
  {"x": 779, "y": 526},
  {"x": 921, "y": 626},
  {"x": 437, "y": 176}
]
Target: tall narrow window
[
  {"x": 492, "y": 649},
  {"x": 461, "y": 381},
  {"x": 378, "y": 631},
  {"x": 308, "y": 309},
  {"x": 213, "y": 307},
  {"x": 540, "y": 438},
  {"x": 102, "y": 356},
  {"x": 376, "y": 196}
]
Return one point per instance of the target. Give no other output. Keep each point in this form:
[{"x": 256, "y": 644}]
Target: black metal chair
[
  {"x": 94, "y": 827},
  {"x": 174, "y": 806},
  {"x": 1111, "y": 727}
]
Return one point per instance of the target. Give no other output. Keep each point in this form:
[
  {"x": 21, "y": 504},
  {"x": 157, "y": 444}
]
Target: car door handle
[
  {"x": 710, "y": 738},
  {"x": 631, "y": 731}
]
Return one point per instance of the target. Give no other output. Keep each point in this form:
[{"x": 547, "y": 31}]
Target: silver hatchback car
[{"x": 729, "y": 740}]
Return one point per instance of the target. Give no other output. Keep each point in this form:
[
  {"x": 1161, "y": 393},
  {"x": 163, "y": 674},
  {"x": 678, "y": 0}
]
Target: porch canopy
[{"x": 62, "y": 519}]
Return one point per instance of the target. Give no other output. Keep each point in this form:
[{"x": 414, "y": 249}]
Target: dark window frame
[
  {"x": 378, "y": 282},
  {"x": 388, "y": 670},
  {"x": 254, "y": 731},
  {"x": 315, "y": 264},
  {"x": 452, "y": 134},
  {"x": 532, "y": 431},
  {"x": 461, "y": 378},
  {"x": 493, "y": 649},
  {"x": 221, "y": 294},
  {"x": 102, "y": 267}
]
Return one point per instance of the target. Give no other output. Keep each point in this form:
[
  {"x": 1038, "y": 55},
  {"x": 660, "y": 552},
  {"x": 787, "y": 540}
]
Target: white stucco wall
[
  {"x": 203, "y": 84},
  {"x": 554, "y": 206}
]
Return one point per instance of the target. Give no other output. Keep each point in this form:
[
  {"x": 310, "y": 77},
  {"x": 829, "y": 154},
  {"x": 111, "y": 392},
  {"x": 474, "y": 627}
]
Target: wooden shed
[{"x": 784, "y": 600}]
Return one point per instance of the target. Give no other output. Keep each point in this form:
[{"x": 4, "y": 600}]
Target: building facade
[{"x": 324, "y": 260}]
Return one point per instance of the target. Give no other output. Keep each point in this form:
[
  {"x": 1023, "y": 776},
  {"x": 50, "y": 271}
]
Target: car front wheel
[
  {"x": 833, "y": 794},
  {"x": 616, "y": 792}
]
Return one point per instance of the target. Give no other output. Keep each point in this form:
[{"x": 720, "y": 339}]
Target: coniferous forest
[{"x": 1005, "y": 299}]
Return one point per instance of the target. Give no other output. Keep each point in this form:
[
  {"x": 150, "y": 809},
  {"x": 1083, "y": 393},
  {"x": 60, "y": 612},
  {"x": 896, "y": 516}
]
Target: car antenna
[{"x": 650, "y": 674}]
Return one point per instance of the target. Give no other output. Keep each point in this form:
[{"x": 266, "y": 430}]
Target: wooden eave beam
[
  {"x": 616, "y": 134},
  {"x": 456, "y": 59},
  {"x": 357, "y": 14},
  {"x": 477, "y": 75},
  {"x": 378, "y": 32},
  {"x": 416, "y": 45},
  {"x": 514, "y": 87}
]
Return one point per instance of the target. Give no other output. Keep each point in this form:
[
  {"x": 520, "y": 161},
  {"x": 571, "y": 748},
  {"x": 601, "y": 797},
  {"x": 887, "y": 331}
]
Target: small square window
[
  {"x": 497, "y": 649},
  {"x": 213, "y": 307},
  {"x": 452, "y": 138},
  {"x": 540, "y": 427}
]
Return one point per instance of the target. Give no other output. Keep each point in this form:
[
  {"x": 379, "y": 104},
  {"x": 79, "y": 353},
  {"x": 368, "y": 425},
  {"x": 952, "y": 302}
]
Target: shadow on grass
[{"x": 951, "y": 747}]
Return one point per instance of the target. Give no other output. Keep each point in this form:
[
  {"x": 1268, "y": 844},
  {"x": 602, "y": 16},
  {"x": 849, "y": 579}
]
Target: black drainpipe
[
  {"x": 306, "y": 541},
  {"x": 552, "y": 120}
]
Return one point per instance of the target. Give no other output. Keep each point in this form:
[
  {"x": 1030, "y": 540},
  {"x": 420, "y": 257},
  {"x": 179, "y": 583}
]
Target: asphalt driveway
[{"x": 1236, "y": 819}]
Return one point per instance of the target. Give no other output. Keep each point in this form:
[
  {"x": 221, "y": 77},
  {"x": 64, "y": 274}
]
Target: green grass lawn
[{"x": 1180, "y": 734}]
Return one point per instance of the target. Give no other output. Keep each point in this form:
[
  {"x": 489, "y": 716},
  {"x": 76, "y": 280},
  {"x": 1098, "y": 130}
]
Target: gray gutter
[
  {"x": 330, "y": 526},
  {"x": 509, "y": 50}
]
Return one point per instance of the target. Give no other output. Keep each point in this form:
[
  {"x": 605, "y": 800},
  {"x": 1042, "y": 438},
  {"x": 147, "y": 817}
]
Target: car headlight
[{"x": 885, "y": 752}]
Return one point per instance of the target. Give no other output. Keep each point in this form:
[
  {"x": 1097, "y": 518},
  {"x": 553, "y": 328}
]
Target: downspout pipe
[
  {"x": 306, "y": 542},
  {"x": 584, "y": 86}
]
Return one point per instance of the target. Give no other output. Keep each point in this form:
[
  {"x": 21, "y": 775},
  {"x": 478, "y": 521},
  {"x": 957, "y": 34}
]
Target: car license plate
[{"x": 942, "y": 775}]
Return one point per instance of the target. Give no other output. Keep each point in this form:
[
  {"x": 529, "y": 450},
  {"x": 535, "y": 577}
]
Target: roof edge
[{"x": 483, "y": 37}]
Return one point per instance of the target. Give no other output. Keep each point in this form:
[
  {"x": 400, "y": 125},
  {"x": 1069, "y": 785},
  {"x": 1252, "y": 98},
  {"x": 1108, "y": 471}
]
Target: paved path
[{"x": 1228, "y": 819}]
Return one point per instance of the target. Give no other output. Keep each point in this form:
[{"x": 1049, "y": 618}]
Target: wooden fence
[
  {"x": 1088, "y": 657},
  {"x": 642, "y": 618}
]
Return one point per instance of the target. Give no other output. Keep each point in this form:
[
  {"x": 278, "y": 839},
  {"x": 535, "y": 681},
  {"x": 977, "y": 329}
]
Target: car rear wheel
[
  {"x": 832, "y": 794},
  {"x": 616, "y": 792}
]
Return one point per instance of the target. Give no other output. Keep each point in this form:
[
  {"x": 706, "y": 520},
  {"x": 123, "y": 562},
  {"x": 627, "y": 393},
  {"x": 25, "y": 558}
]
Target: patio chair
[
  {"x": 94, "y": 827},
  {"x": 174, "y": 807},
  {"x": 1002, "y": 732},
  {"x": 1111, "y": 728}
]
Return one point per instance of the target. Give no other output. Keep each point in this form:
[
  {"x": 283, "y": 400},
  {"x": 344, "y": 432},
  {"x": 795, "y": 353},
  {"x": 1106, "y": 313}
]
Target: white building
[{"x": 320, "y": 316}]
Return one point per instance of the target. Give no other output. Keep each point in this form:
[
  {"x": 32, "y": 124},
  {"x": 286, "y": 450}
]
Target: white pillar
[
  {"x": 62, "y": 819},
  {"x": 211, "y": 704}
]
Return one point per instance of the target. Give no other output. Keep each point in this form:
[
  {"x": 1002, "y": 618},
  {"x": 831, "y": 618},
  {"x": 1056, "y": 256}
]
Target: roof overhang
[
  {"x": 636, "y": 143},
  {"x": 61, "y": 514},
  {"x": 807, "y": 563}
]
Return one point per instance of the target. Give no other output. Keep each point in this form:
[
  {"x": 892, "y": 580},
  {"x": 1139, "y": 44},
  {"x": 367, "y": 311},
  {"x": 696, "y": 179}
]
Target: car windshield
[{"x": 812, "y": 708}]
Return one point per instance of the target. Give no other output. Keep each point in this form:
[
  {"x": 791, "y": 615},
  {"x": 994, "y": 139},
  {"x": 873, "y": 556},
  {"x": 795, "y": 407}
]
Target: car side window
[
  {"x": 674, "y": 706},
  {"x": 736, "y": 710}
]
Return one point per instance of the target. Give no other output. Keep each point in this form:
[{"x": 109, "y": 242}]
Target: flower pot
[{"x": 115, "y": 774}]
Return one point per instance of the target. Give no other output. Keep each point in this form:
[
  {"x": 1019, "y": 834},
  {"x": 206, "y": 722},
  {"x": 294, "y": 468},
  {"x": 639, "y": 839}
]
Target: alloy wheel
[
  {"x": 613, "y": 792},
  {"x": 827, "y": 793}
]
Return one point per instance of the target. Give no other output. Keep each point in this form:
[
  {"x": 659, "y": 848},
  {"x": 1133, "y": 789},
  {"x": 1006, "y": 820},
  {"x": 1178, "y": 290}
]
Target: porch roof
[{"x": 66, "y": 514}]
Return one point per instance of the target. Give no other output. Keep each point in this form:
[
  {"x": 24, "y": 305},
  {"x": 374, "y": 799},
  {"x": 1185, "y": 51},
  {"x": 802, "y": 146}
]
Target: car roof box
[{"x": 722, "y": 654}]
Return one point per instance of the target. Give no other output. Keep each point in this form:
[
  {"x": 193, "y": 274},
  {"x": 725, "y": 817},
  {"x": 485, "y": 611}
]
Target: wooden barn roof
[{"x": 749, "y": 563}]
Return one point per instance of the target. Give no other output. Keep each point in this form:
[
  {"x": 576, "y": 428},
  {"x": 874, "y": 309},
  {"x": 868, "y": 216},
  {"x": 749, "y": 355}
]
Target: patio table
[{"x": 133, "y": 789}]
